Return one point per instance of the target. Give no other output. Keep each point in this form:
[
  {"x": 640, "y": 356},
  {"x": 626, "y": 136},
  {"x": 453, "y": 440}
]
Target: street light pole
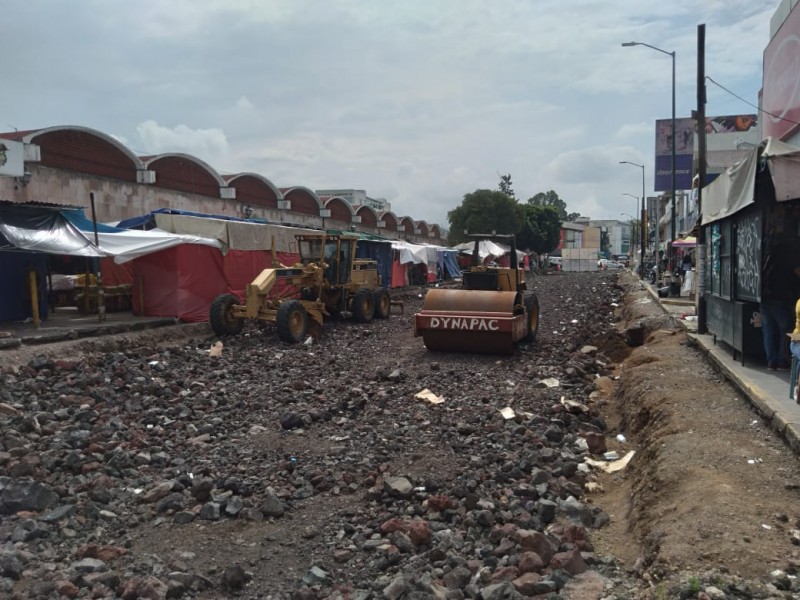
[
  {"x": 641, "y": 217},
  {"x": 633, "y": 228},
  {"x": 672, "y": 192}
]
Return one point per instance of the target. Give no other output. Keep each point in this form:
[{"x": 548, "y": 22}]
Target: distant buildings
[{"x": 356, "y": 198}]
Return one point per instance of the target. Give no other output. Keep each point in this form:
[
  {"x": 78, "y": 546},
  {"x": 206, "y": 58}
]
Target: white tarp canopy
[
  {"x": 130, "y": 244},
  {"x": 734, "y": 189},
  {"x": 784, "y": 166},
  {"x": 415, "y": 253},
  {"x": 487, "y": 248},
  {"x": 234, "y": 235},
  {"x": 68, "y": 232}
]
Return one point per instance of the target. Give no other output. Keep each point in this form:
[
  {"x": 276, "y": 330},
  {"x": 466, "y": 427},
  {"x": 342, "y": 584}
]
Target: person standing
[
  {"x": 780, "y": 289},
  {"x": 794, "y": 346},
  {"x": 686, "y": 262}
]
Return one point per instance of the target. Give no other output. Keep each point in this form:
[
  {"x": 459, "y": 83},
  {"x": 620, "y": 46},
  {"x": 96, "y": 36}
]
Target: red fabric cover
[
  {"x": 240, "y": 267},
  {"x": 178, "y": 282},
  {"x": 398, "y": 274},
  {"x": 183, "y": 281},
  {"x": 114, "y": 274}
]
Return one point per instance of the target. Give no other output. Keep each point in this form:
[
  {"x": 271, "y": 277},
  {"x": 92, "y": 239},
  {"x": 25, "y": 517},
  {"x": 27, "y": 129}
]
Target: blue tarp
[
  {"x": 448, "y": 263},
  {"x": 77, "y": 217},
  {"x": 15, "y": 302},
  {"x": 380, "y": 252}
]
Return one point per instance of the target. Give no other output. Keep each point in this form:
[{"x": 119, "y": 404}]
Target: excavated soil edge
[{"x": 711, "y": 491}]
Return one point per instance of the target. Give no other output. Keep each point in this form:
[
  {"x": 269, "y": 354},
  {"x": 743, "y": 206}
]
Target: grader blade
[{"x": 487, "y": 322}]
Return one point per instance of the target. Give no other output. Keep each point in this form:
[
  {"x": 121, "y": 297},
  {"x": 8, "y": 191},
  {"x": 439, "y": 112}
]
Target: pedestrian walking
[
  {"x": 779, "y": 293},
  {"x": 794, "y": 349}
]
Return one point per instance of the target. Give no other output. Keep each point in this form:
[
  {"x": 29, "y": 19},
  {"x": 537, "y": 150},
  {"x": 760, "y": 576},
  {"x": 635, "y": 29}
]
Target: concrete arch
[
  {"x": 84, "y": 150},
  {"x": 436, "y": 231},
  {"x": 423, "y": 228},
  {"x": 407, "y": 225},
  {"x": 341, "y": 209},
  {"x": 303, "y": 200},
  {"x": 389, "y": 220},
  {"x": 369, "y": 217},
  {"x": 185, "y": 173},
  {"x": 255, "y": 189}
]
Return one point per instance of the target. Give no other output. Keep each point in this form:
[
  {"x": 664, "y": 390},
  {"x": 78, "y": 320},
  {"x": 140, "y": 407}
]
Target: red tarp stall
[
  {"x": 114, "y": 274},
  {"x": 182, "y": 281},
  {"x": 399, "y": 273}
]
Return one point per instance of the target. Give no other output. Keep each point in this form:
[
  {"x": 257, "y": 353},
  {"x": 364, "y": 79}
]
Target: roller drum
[{"x": 471, "y": 321}]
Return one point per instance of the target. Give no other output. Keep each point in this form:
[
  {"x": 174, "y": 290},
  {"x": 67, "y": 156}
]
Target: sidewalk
[
  {"x": 69, "y": 324},
  {"x": 767, "y": 391}
]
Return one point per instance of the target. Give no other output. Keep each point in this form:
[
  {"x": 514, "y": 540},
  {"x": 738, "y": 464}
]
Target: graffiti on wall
[{"x": 748, "y": 257}]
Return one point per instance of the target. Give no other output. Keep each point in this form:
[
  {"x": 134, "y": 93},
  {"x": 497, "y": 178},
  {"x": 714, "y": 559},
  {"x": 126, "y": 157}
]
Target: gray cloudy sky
[{"x": 416, "y": 101}]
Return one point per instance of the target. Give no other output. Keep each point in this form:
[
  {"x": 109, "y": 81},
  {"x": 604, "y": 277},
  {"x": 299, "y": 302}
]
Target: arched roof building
[
  {"x": 340, "y": 209},
  {"x": 83, "y": 150},
  {"x": 185, "y": 173},
  {"x": 302, "y": 200},
  {"x": 369, "y": 218},
  {"x": 389, "y": 221},
  {"x": 407, "y": 225},
  {"x": 254, "y": 189},
  {"x": 69, "y": 163}
]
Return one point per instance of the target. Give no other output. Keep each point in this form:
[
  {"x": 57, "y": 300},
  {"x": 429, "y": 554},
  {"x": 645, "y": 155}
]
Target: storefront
[{"x": 750, "y": 213}]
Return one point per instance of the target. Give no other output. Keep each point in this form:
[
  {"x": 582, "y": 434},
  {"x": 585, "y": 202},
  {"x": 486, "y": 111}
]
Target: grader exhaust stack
[{"x": 491, "y": 313}]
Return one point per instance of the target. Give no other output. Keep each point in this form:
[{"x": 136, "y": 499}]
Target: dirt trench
[{"x": 712, "y": 492}]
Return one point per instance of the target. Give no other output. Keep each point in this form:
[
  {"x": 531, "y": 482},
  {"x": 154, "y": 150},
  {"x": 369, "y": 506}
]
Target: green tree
[
  {"x": 505, "y": 185},
  {"x": 541, "y": 231},
  {"x": 550, "y": 198},
  {"x": 484, "y": 211}
]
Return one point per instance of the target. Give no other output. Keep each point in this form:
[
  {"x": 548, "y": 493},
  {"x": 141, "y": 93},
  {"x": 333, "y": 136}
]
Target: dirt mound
[
  {"x": 613, "y": 346},
  {"x": 711, "y": 490}
]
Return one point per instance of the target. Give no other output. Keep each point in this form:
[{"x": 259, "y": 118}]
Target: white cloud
[
  {"x": 635, "y": 130},
  {"x": 416, "y": 101},
  {"x": 243, "y": 103},
  {"x": 203, "y": 143}
]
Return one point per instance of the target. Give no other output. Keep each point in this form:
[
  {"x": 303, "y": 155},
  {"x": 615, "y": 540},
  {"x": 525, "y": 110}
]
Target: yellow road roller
[{"x": 490, "y": 314}]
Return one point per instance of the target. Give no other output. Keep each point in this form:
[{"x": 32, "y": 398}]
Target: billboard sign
[
  {"x": 12, "y": 158},
  {"x": 781, "y": 85},
  {"x": 731, "y": 124},
  {"x": 684, "y": 152}
]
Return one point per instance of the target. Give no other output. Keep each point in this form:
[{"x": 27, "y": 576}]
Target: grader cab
[
  {"x": 491, "y": 313},
  {"x": 327, "y": 281}
]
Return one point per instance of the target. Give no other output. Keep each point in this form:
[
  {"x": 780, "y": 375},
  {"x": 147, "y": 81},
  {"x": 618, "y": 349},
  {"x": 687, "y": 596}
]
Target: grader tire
[
  {"x": 532, "y": 311},
  {"x": 223, "y": 321},
  {"x": 383, "y": 304},
  {"x": 363, "y": 306},
  {"x": 292, "y": 321}
]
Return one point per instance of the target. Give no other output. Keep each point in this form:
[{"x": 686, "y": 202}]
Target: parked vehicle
[{"x": 605, "y": 263}]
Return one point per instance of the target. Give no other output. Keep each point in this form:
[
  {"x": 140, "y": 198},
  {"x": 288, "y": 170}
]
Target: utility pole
[{"x": 700, "y": 294}]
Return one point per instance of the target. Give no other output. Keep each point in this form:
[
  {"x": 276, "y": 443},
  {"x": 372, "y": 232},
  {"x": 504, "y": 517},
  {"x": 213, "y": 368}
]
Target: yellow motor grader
[
  {"x": 491, "y": 313},
  {"x": 327, "y": 281}
]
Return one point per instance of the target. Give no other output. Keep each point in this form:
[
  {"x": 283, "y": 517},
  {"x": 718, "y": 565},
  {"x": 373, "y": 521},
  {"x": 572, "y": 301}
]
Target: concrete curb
[
  {"x": 765, "y": 393},
  {"x": 773, "y": 410},
  {"x": 62, "y": 334}
]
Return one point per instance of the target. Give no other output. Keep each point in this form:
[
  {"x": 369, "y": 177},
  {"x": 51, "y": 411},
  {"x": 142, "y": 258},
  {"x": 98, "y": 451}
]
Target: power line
[{"x": 766, "y": 112}]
